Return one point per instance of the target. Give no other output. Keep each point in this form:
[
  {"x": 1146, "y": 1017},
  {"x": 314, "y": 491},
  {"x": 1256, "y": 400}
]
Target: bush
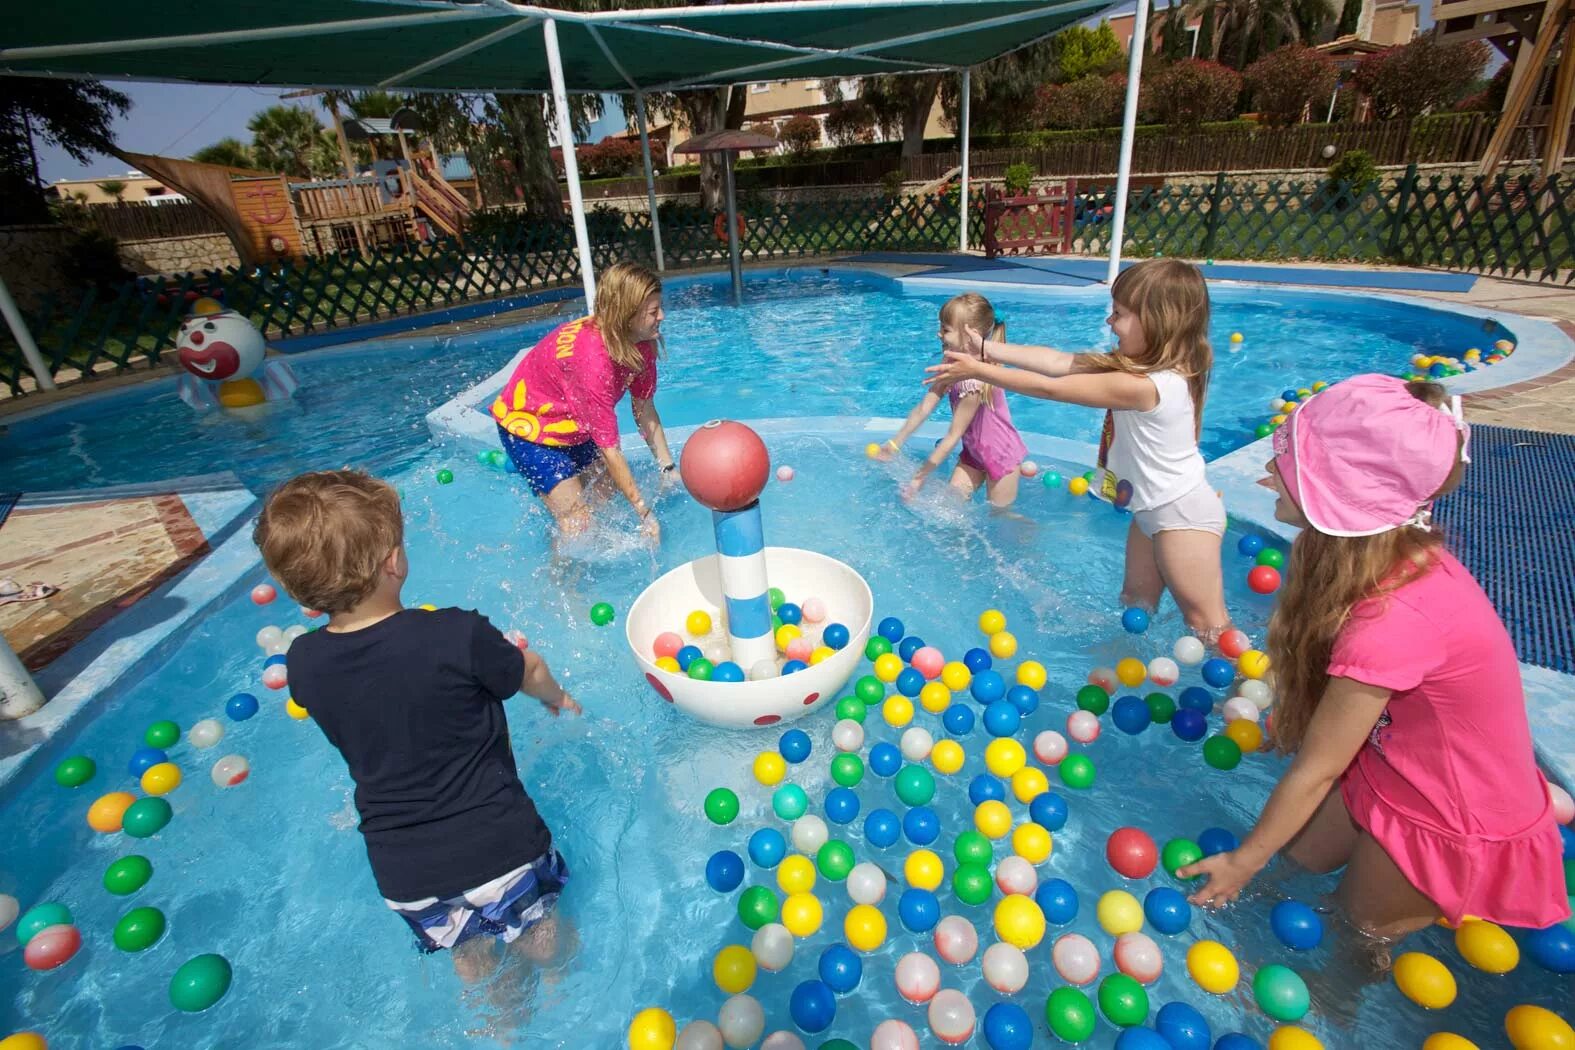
[
  {"x": 1019, "y": 177},
  {"x": 800, "y": 135},
  {"x": 1354, "y": 168},
  {"x": 92, "y": 260},
  {"x": 891, "y": 185},
  {"x": 1091, "y": 102},
  {"x": 1286, "y": 82},
  {"x": 1421, "y": 76},
  {"x": 849, "y": 123},
  {"x": 1193, "y": 90}
]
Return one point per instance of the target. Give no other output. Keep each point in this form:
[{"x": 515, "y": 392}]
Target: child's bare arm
[
  {"x": 539, "y": 684},
  {"x": 1091, "y": 389},
  {"x": 922, "y": 411},
  {"x": 962, "y": 415},
  {"x": 1045, "y": 360}
]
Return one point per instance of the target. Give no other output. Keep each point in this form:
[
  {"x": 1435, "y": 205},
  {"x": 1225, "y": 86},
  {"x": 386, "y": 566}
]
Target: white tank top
[{"x": 1157, "y": 450}]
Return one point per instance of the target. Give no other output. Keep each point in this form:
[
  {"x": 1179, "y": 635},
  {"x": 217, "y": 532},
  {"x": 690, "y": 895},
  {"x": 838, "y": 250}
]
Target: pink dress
[
  {"x": 991, "y": 443},
  {"x": 1447, "y": 782}
]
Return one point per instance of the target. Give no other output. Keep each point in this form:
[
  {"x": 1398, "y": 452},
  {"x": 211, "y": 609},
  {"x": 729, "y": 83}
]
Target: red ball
[
  {"x": 1264, "y": 579},
  {"x": 1131, "y": 852},
  {"x": 51, "y": 947},
  {"x": 1233, "y": 643},
  {"x": 725, "y": 465}
]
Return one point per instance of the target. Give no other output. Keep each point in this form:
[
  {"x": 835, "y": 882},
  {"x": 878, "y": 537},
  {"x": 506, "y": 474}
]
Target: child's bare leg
[
  {"x": 966, "y": 480},
  {"x": 569, "y": 508},
  {"x": 1189, "y": 563},
  {"x": 1328, "y": 839},
  {"x": 1143, "y": 584},
  {"x": 1002, "y": 492},
  {"x": 477, "y": 959},
  {"x": 549, "y": 941},
  {"x": 1378, "y": 897}
]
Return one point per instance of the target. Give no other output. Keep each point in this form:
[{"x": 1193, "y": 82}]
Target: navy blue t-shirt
[{"x": 414, "y": 704}]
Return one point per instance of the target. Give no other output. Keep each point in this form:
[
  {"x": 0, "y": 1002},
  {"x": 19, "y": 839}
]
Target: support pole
[
  {"x": 19, "y": 694},
  {"x": 734, "y": 265},
  {"x": 1563, "y": 106},
  {"x": 571, "y": 165},
  {"x": 349, "y": 165},
  {"x": 1118, "y": 220},
  {"x": 962, "y": 198},
  {"x": 24, "y": 338},
  {"x": 650, "y": 179}
]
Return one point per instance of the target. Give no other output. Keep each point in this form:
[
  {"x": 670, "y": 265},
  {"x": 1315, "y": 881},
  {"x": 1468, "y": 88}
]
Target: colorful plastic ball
[
  {"x": 885, "y": 759},
  {"x": 1280, "y": 992},
  {"x": 1007, "y": 1026},
  {"x": 1552, "y": 948},
  {"x": 1213, "y": 967},
  {"x": 993, "y": 819},
  {"x": 1167, "y": 910},
  {"x": 241, "y": 706},
  {"x": 835, "y": 860},
  {"x": 1135, "y": 620},
  {"x": 891, "y": 629},
  {"x": 875, "y": 648},
  {"x": 1272, "y": 557},
  {"x": 32, "y": 1041},
  {"x": 977, "y": 660},
  {"x": 1189, "y": 725},
  {"x": 802, "y": 914},
  {"x": 851, "y": 709},
  {"x": 146, "y": 817},
  {"x": 1003, "y": 645},
  {"x": 1014, "y": 875},
  {"x": 795, "y": 745},
  {"x": 915, "y": 785},
  {"x": 947, "y": 756},
  {"x": 107, "y": 812},
  {"x": 1024, "y": 699},
  {"x": 275, "y": 677},
  {"x": 602, "y": 614},
  {"x": 1196, "y": 698},
  {"x": 1057, "y": 899},
  {"x": 1123, "y": 1001},
  {"x": 727, "y": 671},
  {"x": 921, "y": 825},
  {"x": 654, "y": 1029},
  {"x": 724, "y": 871},
  {"x": 1237, "y": 1041},
  {"x": 847, "y": 769},
  {"x": 864, "y": 927},
  {"x": 984, "y": 787},
  {"x": 75, "y": 771},
  {"x": 688, "y": 655},
  {"x": 1534, "y": 1028},
  {"x": 1077, "y": 771},
  {"x": 909, "y": 682},
  {"x": 1131, "y": 852},
  {"x": 1075, "y": 958},
  {"x": 1178, "y": 853},
  {"x": 1253, "y": 664},
  {"x": 842, "y": 805},
  {"x": 918, "y": 978},
  {"x": 741, "y": 1020},
  {"x": 1249, "y": 545},
  {"x": 206, "y": 733},
  {"x": 959, "y": 720},
  {"x": 1093, "y": 699},
  {"x": 1083, "y": 727},
  {"x": 1032, "y": 842},
  {"x": 1130, "y": 715},
  {"x": 916, "y": 744},
  {"x": 669, "y": 642},
  {"x": 1069, "y": 1013},
  {"x": 971, "y": 883},
  {"x": 758, "y": 906},
  {"x": 935, "y": 697},
  {"x": 809, "y": 833},
  {"x": 1050, "y": 747},
  {"x": 162, "y": 734},
  {"x": 51, "y": 946},
  {"x": 1049, "y": 811},
  {"x": 909, "y": 646},
  {"x": 951, "y": 1017},
  {"x": 41, "y": 917},
  {"x": 721, "y": 806},
  {"x": 1263, "y": 579},
  {"x": 139, "y": 929},
  {"x": 1448, "y": 1041},
  {"x": 230, "y": 771},
  {"x": 200, "y": 982},
  {"x": 956, "y": 941},
  {"x": 1290, "y": 1037},
  {"x": 1131, "y": 672},
  {"x": 992, "y": 621},
  {"x": 1002, "y": 719},
  {"x": 866, "y": 883},
  {"x": 767, "y": 847},
  {"x": 161, "y": 778},
  {"x": 1218, "y": 673},
  {"x": 1119, "y": 912},
  {"x": 987, "y": 686},
  {"x": 144, "y": 759},
  {"x": 919, "y": 910},
  {"x": 1182, "y": 1027},
  {"x": 1005, "y": 968},
  {"x": 1221, "y": 752},
  {"x": 970, "y": 847},
  {"x": 882, "y": 828},
  {"x": 772, "y": 947},
  {"x": 835, "y": 636},
  {"x": 1163, "y": 671},
  {"x": 1216, "y": 840},
  {"x": 1296, "y": 925},
  {"x": 1161, "y": 708},
  {"x": 1189, "y": 651},
  {"x": 1140, "y": 1039},
  {"x": 897, "y": 711},
  {"x": 1004, "y": 757},
  {"x": 1237, "y": 709},
  {"x": 295, "y": 710},
  {"x": 127, "y": 875}
]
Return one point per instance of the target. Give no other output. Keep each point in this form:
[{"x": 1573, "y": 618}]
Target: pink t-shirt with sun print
[{"x": 566, "y": 390}]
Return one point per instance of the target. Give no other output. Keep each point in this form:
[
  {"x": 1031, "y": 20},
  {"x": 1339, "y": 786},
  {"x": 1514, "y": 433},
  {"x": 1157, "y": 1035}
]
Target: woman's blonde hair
[
  {"x": 972, "y": 310},
  {"x": 1172, "y": 307},
  {"x": 621, "y": 290}
]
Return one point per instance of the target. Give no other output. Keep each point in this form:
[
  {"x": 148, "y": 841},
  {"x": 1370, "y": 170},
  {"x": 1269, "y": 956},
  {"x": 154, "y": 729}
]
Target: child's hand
[
  {"x": 1228, "y": 874},
  {"x": 886, "y": 451},
  {"x": 565, "y": 703},
  {"x": 650, "y": 529}
]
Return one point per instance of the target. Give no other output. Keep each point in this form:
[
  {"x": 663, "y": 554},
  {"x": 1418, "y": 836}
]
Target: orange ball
[{"x": 106, "y": 813}]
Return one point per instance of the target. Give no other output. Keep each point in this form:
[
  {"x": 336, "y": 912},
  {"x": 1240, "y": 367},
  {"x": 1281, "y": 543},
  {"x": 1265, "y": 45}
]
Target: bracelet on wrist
[{"x": 669, "y": 468}]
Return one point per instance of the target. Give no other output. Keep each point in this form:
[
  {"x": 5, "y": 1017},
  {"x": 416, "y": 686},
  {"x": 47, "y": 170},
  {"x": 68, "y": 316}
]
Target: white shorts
[{"x": 1200, "y": 509}]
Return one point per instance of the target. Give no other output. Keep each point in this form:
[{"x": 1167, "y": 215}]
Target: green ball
[
  {"x": 75, "y": 771},
  {"x": 972, "y": 883},
  {"x": 445, "y": 476},
  {"x": 701, "y": 669},
  {"x": 1077, "y": 771},
  {"x": 146, "y": 817},
  {"x": 1272, "y": 556},
  {"x": 847, "y": 770},
  {"x": 139, "y": 929},
  {"x": 721, "y": 805},
  {"x": 915, "y": 786},
  {"x": 602, "y": 614},
  {"x": 1070, "y": 1015},
  {"x": 776, "y": 624},
  {"x": 128, "y": 875},
  {"x": 1161, "y": 708},
  {"x": 1088, "y": 476},
  {"x": 484, "y": 457},
  {"x": 758, "y": 906},
  {"x": 200, "y": 982},
  {"x": 496, "y": 457},
  {"x": 789, "y": 802},
  {"x": 838, "y": 1044},
  {"x": 775, "y": 596},
  {"x": 1094, "y": 699},
  {"x": 835, "y": 860},
  {"x": 39, "y": 917},
  {"x": 1263, "y": 430},
  {"x": 1051, "y": 479},
  {"x": 876, "y": 647},
  {"x": 1221, "y": 752},
  {"x": 851, "y": 707},
  {"x": 1569, "y": 876},
  {"x": 1123, "y": 1001},
  {"x": 1281, "y": 993},
  {"x": 1178, "y": 853},
  {"x": 973, "y": 848},
  {"x": 869, "y": 690},
  {"x": 161, "y": 734}
]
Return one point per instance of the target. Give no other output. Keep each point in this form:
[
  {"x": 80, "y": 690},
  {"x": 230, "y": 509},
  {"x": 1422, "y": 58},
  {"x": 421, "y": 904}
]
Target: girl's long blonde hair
[
  {"x": 1172, "y": 306},
  {"x": 621, "y": 291},
  {"x": 972, "y": 310}
]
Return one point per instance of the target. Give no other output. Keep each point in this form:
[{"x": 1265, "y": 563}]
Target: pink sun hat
[{"x": 1364, "y": 457}]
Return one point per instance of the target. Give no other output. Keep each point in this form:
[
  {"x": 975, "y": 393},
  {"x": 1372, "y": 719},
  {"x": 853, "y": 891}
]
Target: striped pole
[{"x": 741, "y": 560}]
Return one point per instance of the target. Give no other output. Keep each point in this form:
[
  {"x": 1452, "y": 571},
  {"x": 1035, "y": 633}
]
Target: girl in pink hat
[{"x": 1399, "y": 689}]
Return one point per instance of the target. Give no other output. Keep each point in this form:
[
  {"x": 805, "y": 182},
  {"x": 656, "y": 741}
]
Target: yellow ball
[
  {"x": 872, "y": 450},
  {"x": 1235, "y": 337},
  {"x": 935, "y": 697},
  {"x": 1246, "y": 733},
  {"x": 161, "y": 778},
  {"x": 897, "y": 710},
  {"x": 821, "y": 652},
  {"x": 107, "y": 811},
  {"x": 1032, "y": 674},
  {"x": 1533, "y": 1028},
  {"x": 1320, "y": 385},
  {"x": 786, "y": 635},
  {"x": 1292, "y": 407},
  {"x": 1419, "y": 360},
  {"x": 1078, "y": 486},
  {"x": 1253, "y": 664},
  {"x": 1424, "y": 980},
  {"x": 888, "y": 666},
  {"x": 1019, "y": 922},
  {"x": 293, "y": 709},
  {"x": 993, "y": 819},
  {"x": 770, "y": 768},
  {"x": 864, "y": 927},
  {"x": 1029, "y": 783},
  {"x": 1290, "y": 1037},
  {"x": 801, "y": 914},
  {"x": 1119, "y": 912},
  {"x": 947, "y": 757},
  {"x": 1004, "y": 756},
  {"x": 698, "y": 623},
  {"x": 1213, "y": 967},
  {"x": 1504, "y": 346},
  {"x": 667, "y": 663},
  {"x": 1303, "y": 392},
  {"x": 1486, "y": 946},
  {"x": 992, "y": 621},
  {"x": 652, "y": 1029},
  {"x": 24, "y": 1041},
  {"x": 1032, "y": 843},
  {"x": 1131, "y": 672},
  {"x": 733, "y": 969},
  {"x": 796, "y": 874},
  {"x": 1279, "y": 419},
  {"x": 1448, "y": 1041},
  {"x": 923, "y": 869},
  {"x": 429, "y": 608},
  {"x": 955, "y": 675},
  {"x": 1003, "y": 645}
]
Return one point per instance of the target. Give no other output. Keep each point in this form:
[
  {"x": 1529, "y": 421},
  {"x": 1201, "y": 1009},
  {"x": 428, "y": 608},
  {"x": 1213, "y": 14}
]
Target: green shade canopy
[{"x": 496, "y": 46}]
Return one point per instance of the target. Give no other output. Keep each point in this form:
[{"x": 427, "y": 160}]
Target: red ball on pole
[
  {"x": 724, "y": 465},
  {"x": 1265, "y": 579},
  {"x": 1131, "y": 852}
]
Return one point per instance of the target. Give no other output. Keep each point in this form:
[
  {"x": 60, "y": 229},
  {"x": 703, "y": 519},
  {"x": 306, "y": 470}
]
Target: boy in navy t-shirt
[{"x": 413, "y": 700}]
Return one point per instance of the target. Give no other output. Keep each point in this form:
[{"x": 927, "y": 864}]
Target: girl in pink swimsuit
[{"x": 992, "y": 450}]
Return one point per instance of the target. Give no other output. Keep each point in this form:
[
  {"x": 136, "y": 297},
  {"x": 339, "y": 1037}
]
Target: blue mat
[{"x": 1512, "y": 523}]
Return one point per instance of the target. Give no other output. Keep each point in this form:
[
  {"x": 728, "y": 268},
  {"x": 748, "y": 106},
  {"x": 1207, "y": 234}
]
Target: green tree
[
  {"x": 1350, "y": 15},
  {"x": 1002, "y": 90},
  {"x": 1245, "y": 29},
  {"x": 1287, "y": 81},
  {"x": 75, "y": 115},
  {"x": 285, "y": 138},
  {"x": 1194, "y": 90},
  {"x": 113, "y": 188},
  {"x": 230, "y": 152},
  {"x": 1421, "y": 76},
  {"x": 1081, "y": 52},
  {"x": 900, "y": 104}
]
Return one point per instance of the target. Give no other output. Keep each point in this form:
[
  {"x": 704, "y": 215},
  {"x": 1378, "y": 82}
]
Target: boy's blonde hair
[
  {"x": 1172, "y": 306},
  {"x": 621, "y": 290},
  {"x": 325, "y": 536},
  {"x": 972, "y": 310}
]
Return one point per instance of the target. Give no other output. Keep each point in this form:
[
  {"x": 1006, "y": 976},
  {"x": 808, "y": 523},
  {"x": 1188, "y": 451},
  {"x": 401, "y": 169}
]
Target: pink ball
[
  {"x": 517, "y": 639},
  {"x": 956, "y": 940},
  {"x": 1103, "y": 677},
  {"x": 784, "y": 473},
  {"x": 1050, "y": 747},
  {"x": 1083, "y": 726},
  {"x": 1563, "y": 804},
  {"x": 814, "y": 610},
  {"x": 928, "y": 661},
  {"x": 263, "y": 593},
  {"x": 1233, "y": 643},
  {"x": 800, "y": 648},
  {"x": 275, "y": 677},
  {"x": 1075, "y": 958},
  {"x": 918, "y": 978},
  {"x": 1240, "y": 707},
  {"x": 51, "y": 947},
  {"x": 894, "y": 1035},
  {"x": 951, "y": 1017},
  {"x": 667, "y": 644},
  {"x": 1029, "y": 468},
  {"x": 311, "y": 614},
  {"x": 1139, "y": 957},
  {"x": 1015, "y": 875}
]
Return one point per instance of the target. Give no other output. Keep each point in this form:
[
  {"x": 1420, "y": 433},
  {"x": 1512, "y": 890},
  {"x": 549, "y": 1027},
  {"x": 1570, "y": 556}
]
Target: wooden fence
[{"x": 145, "y": 222}]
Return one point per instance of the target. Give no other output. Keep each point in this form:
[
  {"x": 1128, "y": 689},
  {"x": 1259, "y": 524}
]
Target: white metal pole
[
  {"x": 571, "y": 165},
  {"x": 1332, "y": 100},
  {"x": 19, "y": 694},
  {"x": 650, "y": 178},
  {"x": 962, "y": 199},
  {"x": 24, "y": 338},
  {"x": 1118, "y": 221}
]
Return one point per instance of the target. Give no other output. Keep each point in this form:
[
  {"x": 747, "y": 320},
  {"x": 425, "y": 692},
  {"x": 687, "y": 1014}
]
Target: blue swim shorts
[
  {"x": 544, "y": 466},
  {"x": 503, "y": 908}
]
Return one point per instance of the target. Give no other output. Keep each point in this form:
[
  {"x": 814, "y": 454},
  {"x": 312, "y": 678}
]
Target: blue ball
[
  {"x": 787, "y": 612},
  {"x": 767, "y": 847},
  {"x": 241, "y": 706},
  {"x": 813, "y": 1006},
  {"x": 1218, "y": 673},
  {"x": 1249, "y": 545},
  {"x": 842, "y": 805},
  {"x": 1296, "y": 925},
  {"x": 918, "y": 909},
  {"x": 1288, "y": 394},
  {"x": 958, "y": 720},
  {"x": 891, "y": 629},
  {"x": 921, "y": 825},
  {"x": 277, "y": 658},
  {"x": 1189, "y": 725},
  {"x": 882, "y": 828},
  {"x": 1130, "y": 714},
  {"x": 1141, "y": 1039},
  {"x": 1568, "y": 837},
  {"x": 794, "y": 745},
  {"x": 1552, "y": 948},
  {"x": 1196, "y": 698},
  {"x": 885, "y": 759},
  {"x": 1048, "y": 810},
  {"x": 1183, "y": 1027},
  {"x": 909, "y": 682},
  {"x": 1007, "y": 1026},
  {"x": 908, "y": 646},
  {"x": 976, "y": 660},
  {"x": 1237, "y": 1041},
  {"x": 724, "y": 871},
  {"x": 985, "y": 787},
  {"x": 841, "y": 968},
  {"x": 793, "y": 667},
  {"x": 835, "y": 636},
  {"x": 1134, "y": 620},
  {"x": 687, "y": 655},
  {"x": 1058, "y": 900},
  {"x": 1216, "y": 840},
  {"x": 1167, "y": 910},
  {"x": 144, "y": 758},
  {"x": 987, "y": 686},
  {"x": 1002, "y": 719},
  {"x": 1023, "y": 698},
  {"x": 727, "y": 671}
]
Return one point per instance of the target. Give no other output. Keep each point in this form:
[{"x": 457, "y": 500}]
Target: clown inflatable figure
[{"x": 223, "y": 354}]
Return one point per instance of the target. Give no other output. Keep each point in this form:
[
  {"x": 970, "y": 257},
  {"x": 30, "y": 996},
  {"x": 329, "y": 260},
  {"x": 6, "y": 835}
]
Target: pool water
[{"x": 272, "y": 873}]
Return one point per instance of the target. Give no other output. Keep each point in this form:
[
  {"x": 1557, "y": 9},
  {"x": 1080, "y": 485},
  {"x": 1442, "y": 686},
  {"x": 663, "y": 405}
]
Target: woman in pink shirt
[
  {"x": 557, "y": 414},
  {"x": 1397, "y": 681}
]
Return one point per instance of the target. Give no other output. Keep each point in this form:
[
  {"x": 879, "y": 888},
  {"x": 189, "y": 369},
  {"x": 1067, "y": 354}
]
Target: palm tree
[
  {"x": 1244, "y": 29},
  {"x": 283, "y": 140},
  {"x": 113, "y": 187},
  {"x": 230, "y": 152}
]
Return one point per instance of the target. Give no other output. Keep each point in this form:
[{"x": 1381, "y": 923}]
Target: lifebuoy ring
[{"x": 719, "y": 227}]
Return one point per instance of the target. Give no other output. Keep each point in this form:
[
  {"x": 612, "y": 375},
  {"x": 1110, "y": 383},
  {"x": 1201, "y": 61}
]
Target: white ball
[
  {"x": 772, "y": 947},
  {"x": 278, "y": 650},
  {"x": 866, "y": 883},
  {"x": 762, "y": 670},
  {"x": 1050, "y": 747},
  {"x": 205, "y": 733},
  {"x": 847, "y": 735},
  {"x": 9, "y": 909},
  {"x": 269, "y": 637},
  {"x": 741, "y": 1020},
  {"x": 1163, "y": 671},
  {"x": 718, "y": 652},
  {"x": 1189, "y": 651},
  {"x": 956, "y": 940},
  {"x": 699, "y": 1035},
  {"x": 814, "y": 610},
  {"x": 1083, "y": 726},
  {"x": 918, "y": 977},
  {"x": 1240, "y": 707},
  {"x": 809, "y": 834},
  {"x": 1137, "y": 956},
  {"x": 1013, "y": 874},
  {"x": 1029, "y": 468},
  {"x": 1005, "y": 968},
  {"x": 780, "y": 1040},
  {"x": 951, "y": 1016},
  {"x": 230, "y": 770},
  {"x": 1278, "y": 404},
  {"x": 1258, "y": 692},
  {"x": 917, "y": 743},
  {"x": 784, "y": 473},
  {"x": 294, "y": 631},
  {"x": 275, "y": 677},
  {"x": 892, "y": 1034}
]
